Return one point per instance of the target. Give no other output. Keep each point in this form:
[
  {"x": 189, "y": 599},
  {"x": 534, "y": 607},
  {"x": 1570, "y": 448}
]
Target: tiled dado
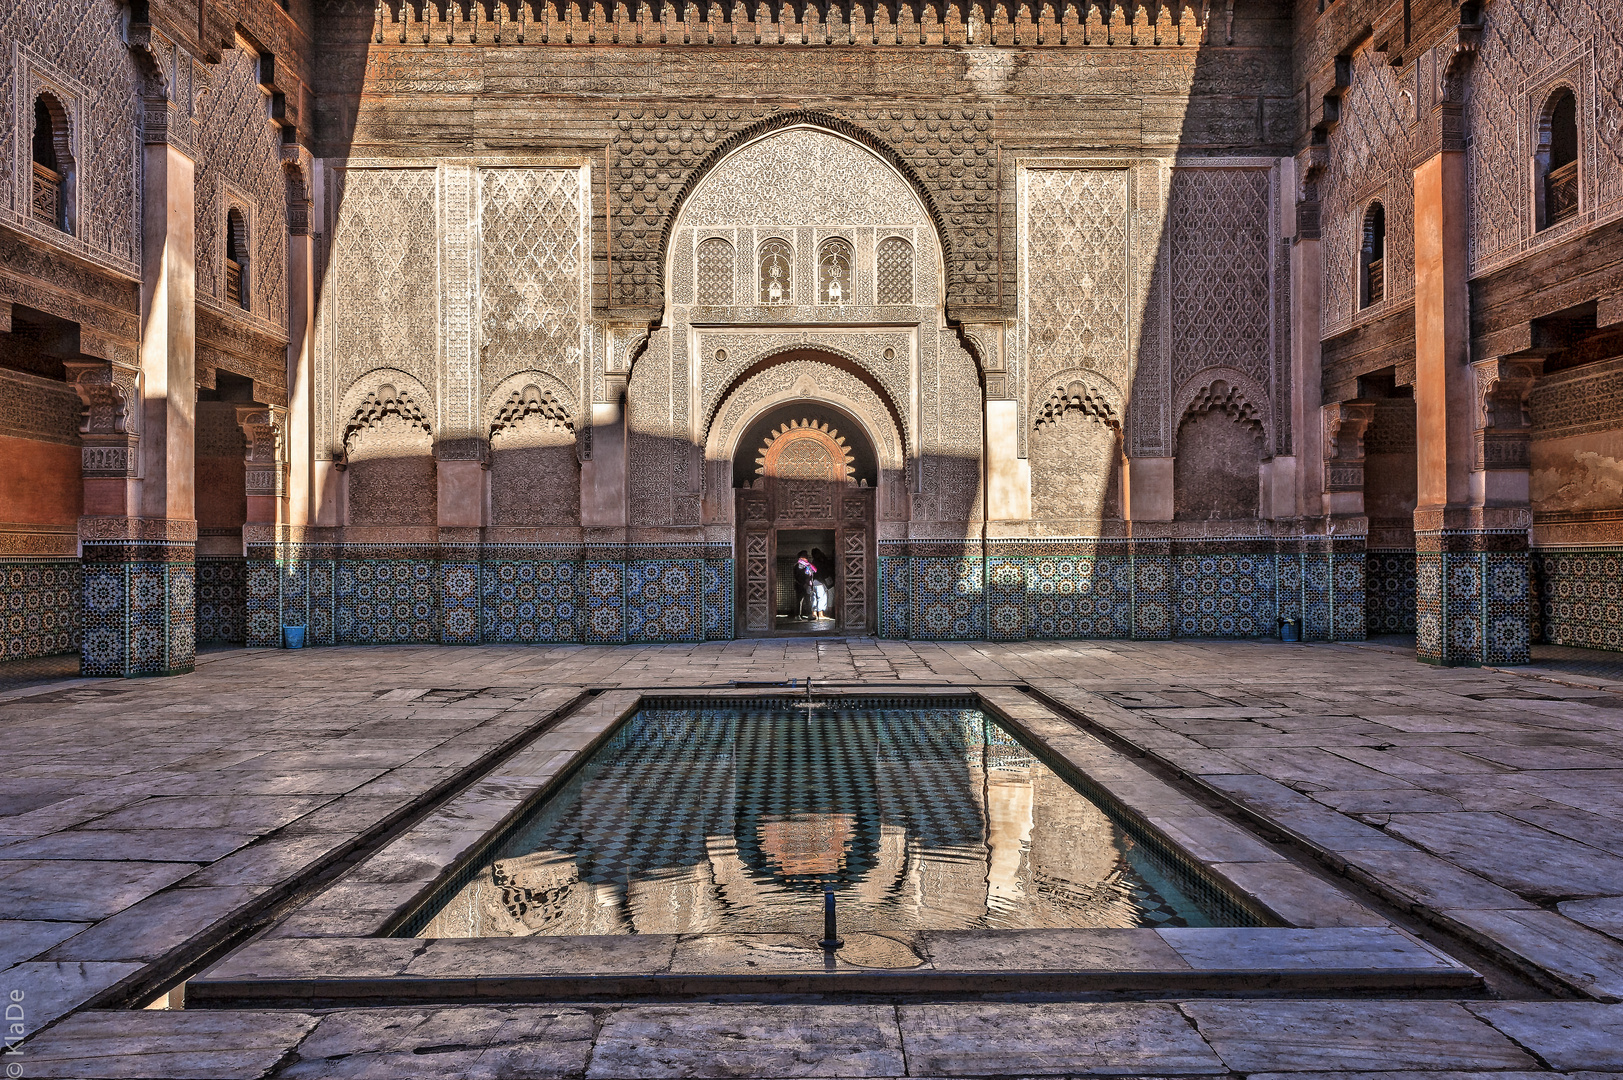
[
  {"x": 139, "y": 608},
  {"x": 1389, "y": 592},
  {"x": 222, "y": 596},
  {"x": 39, "y": 607},
  {"x": 1578, "y": 596},
  {"x": 497, "y": 594},
  {"x": 1143, "y": 589},
  {"x": 1472, "y": 598}
]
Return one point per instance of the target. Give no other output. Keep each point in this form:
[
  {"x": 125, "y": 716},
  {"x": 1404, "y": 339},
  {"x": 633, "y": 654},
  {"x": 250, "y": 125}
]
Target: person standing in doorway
[
  {"x": 805, "y": 574},
  {"x": 822, "y": 583}
]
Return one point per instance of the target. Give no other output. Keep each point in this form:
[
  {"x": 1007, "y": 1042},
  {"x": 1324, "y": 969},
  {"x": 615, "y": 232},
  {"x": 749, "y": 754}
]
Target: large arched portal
[{"x": 804, "y": 470}]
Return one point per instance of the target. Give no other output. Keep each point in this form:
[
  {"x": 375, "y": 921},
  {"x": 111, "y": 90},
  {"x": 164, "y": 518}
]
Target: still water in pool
[{"x": 734, "y": 819}]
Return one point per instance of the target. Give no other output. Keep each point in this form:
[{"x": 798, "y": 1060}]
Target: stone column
[{"x": 1471, "y": 529}]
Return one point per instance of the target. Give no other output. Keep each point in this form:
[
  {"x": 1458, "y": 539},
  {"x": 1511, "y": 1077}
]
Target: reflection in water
[{"x": 734, "y": 820}]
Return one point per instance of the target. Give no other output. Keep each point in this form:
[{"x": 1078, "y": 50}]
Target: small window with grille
[
  {"x": 236, "y": 259},
  {"x": 1558, "y": 159},
  {"x": 834, "y": 281},
  {"x": 1372, "y": 257},
  {"x": 777, "y": 272},
  {"x": 715, "y": 271},
  {"x": 51, "y": 201},
  {"x": 895, "y": 271}
]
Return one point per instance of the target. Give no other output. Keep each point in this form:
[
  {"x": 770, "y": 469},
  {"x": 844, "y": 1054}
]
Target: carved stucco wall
[
  {"x": 469, "y": 279},
  {"x": 75, "y": 49},
  {"x": 1369, "y": 161},
  {"x": 239, "y": 165},
  {"x": 1528, "y": 47},
  {"x": 1145, "y": 282},
  {"x": 800, "y": 187}
]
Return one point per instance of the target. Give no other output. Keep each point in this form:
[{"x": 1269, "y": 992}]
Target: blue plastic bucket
[
  {"x": 293, "y": 636},
  {"x": 1289, "y": 630}
]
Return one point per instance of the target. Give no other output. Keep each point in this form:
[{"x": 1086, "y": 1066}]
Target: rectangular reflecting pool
[{"x": 705, "y": 816}]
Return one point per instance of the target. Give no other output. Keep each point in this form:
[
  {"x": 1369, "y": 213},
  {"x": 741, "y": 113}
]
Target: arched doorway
[{"x": 803, "y": 480}]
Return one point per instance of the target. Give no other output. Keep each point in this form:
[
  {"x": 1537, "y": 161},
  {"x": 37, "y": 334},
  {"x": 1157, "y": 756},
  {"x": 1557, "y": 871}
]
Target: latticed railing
[
  {"x": 1377, "y": 282},
  {"x": 757, "y": 22},
  {"x": 1561, "y": 194},
  {"x": 47, "y": 202},
  {"x": 233, "y": 284}
]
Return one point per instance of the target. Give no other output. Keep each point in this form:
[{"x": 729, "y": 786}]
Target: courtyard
[{"x": 1441, "y": 849}]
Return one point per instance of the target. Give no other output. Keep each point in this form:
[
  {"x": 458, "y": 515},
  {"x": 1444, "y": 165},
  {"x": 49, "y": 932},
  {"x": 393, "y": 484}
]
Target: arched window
[
  {"x": 777, "y": 273},
  {"x": 53, "y": 165},
  {"x": 895, "y": 271},
  {"x": 715, "y": 271},
  {"x": 236, "y": 259},
  {"x": 1372, "y": 257},
  {"x": 834, "y": 282},
  {"x": 1557, "y": 193}
]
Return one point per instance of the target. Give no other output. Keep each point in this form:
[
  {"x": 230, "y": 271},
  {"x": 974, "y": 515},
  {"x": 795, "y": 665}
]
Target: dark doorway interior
[{"x": 791, "y": 542}]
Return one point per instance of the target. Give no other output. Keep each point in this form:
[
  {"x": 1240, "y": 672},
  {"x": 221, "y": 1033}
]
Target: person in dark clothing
[{"x": 805, "y": 574}]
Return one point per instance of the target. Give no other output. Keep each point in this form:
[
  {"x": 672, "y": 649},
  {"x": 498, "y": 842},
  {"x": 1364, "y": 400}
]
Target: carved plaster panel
[
  {"x": 74, "y": 49},
  {"x": 534, "y": 272}
]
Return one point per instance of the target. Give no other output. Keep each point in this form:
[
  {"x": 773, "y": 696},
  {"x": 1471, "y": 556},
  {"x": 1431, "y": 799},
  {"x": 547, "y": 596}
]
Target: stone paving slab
[
  {"x": 658, "y": 1041},
  {"x": 1310, "y": 1036},
  {"x": 1564, "y": 1034},
  {"x": 1065, "y": 1039},
  {"x": 170, "y": 1045}
]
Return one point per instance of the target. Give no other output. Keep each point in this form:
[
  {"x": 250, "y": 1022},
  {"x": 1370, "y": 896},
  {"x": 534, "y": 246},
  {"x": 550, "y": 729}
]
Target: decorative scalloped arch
[
  {"x": 1079, "y": 388},
  {"x": 549, "y": 385},
  {"x": 372, "y": 386},
  {"x": 1243, "y": 398},
  {"x": 781, "y": 354}
]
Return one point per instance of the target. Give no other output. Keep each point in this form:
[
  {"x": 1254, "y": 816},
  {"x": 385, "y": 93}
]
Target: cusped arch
[
  {"x": 500, "y": 402},
  {"x": 784, "y": 121},
  {"x": 1078, "y": 390},
  {"x": 381, "y": 391},
  {"x": 842, "y": 360},
  {"x": 1225, "y": 390}
]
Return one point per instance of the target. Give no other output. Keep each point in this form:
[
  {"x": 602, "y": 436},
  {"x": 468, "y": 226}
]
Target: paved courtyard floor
[{"x": 147, "y": 826}]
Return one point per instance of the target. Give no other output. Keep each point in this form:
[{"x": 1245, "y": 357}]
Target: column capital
[
  {"x": 264, "y": 427},
  {"x": 105, "y": 427},
  {"x": 1503, "y": 426}
]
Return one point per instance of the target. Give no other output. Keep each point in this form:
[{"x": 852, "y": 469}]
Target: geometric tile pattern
[
  {"x": 895, "y": 582},
  {"x": 949, "y": 598},
  {"x": 221, "y": 599},
  {"x": 1227, "y": 595},
  {"x": 39, "y": 607},
  {"x": 459, "y": 603},
  {"x": 1472, "y": 607},
  {"x": 1389, "y": 592},
  {"x": 139, "y": 613},
  {"x": 531, "y": 601},
  {"x": 718, "y": 600},
  {"x": 662, "y": 600},
  {"x": 1580, "y": 597},
  {"x": 387, "y": 602},
  {"x": 603, "y": 584}
]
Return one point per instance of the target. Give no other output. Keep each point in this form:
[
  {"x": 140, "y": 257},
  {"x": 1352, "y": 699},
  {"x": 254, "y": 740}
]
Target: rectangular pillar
[
  {"x": 139, "y": 536},
  {"x": 1471, "y": 565}
]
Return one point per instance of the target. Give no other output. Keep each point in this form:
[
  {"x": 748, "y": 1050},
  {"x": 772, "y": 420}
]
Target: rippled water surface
[{"x": 735, "y": 819}]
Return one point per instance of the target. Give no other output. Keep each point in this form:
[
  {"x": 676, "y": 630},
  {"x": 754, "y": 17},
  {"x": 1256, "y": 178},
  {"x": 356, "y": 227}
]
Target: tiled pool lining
[
  {"x": 1213, "y": 894},
  {"x": 332, "y": 949}
]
